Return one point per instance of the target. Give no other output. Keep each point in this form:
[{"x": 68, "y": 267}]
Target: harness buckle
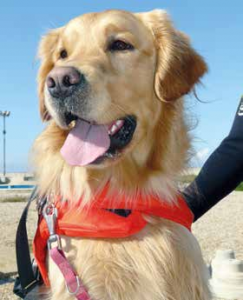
[{"x": 50, "y": 214}]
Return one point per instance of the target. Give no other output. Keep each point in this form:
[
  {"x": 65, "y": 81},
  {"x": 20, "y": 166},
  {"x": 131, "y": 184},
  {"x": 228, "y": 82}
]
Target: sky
[{"x": 216, "y": 31}]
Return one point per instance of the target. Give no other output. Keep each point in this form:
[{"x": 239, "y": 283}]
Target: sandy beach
[{"x": 220, "y": 228}]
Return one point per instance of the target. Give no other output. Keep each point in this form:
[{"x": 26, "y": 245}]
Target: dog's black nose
[{"x": 63, "y": 81}]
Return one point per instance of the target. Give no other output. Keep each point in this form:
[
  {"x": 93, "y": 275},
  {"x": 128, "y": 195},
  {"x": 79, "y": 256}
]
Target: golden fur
[{"x": 163, "y": 261}]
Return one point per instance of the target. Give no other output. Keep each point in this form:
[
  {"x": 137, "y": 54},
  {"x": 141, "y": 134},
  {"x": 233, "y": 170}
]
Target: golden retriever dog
[{"x": 123, "y": 76}]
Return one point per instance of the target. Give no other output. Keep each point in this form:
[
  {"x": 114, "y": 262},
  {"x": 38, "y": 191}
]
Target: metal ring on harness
[{"x": 52, "y": 239}]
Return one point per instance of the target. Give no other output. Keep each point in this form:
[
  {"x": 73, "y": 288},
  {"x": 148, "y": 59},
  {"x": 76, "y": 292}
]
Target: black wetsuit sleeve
[{"x": 221, "y": 173}]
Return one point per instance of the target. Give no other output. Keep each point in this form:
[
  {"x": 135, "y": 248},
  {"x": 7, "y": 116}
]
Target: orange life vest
[{"x": 97, "y": 221}]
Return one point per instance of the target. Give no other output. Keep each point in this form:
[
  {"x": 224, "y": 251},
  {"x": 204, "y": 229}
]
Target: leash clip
[
  {"x": 50, "y": 214},
  {"x": 74, "y": 293}
]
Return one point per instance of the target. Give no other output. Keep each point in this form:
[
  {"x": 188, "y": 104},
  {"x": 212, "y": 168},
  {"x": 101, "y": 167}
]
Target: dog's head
[{"x": 110, "y": 73}]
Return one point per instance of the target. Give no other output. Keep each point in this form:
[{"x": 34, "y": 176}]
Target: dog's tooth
[
  {"x": 119, "y": 122},
  {"x": 72, "y": 124},
  {"x": 114, "y": 129}
]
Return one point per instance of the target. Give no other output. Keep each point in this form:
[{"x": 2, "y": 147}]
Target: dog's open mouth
[{"x": 90, "y": 143}]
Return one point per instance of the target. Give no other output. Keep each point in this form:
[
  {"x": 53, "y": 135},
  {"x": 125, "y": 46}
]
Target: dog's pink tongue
[{"x": 85, "y": 143}]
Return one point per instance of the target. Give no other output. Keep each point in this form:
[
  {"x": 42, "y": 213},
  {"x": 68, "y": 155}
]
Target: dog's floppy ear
[
  {"x": 179, "y": 66},
  {"x": 45, "y": 54}
]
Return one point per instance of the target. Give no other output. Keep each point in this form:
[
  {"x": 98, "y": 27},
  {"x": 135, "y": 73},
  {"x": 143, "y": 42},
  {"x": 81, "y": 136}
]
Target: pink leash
[{"x": 73, "y": 284}]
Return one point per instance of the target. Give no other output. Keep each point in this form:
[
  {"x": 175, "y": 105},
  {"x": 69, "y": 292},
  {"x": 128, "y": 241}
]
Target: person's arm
[{"x": 222, "y": 172}]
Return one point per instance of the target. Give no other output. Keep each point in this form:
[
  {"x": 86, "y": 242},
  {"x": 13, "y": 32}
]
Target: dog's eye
[
  {"x": 119, "y": 45},
  {"x": 63, "y": 54}
]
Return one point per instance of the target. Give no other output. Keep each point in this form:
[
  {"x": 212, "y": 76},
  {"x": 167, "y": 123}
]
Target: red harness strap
[{"x": 96, "y": 221}]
